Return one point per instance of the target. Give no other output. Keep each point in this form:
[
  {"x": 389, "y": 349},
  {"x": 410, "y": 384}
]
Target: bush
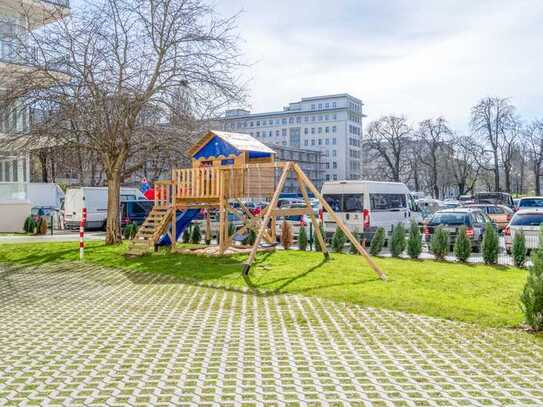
[
  {"x": 519, "y": 249},
  {"x": 302, "y": 239},
  {"x": 42, "y": 226},
  {"x": 490, "y": 244},
  {"x": 185, "y": 238},
  {"x": 338, "y": 240},
  {"x": 377, "y": 242},
  {"x": 196, "y": 236},
  {"x": 130, "y": 231},
  {"x": 30, "y": 225},
  {"x": 231, "y": 229},
  {"x": 397, "y": 244},
  {"x": 414, "y": 243},
  {"x": 462, "y": 246},
  {"x": 440, "y": 243},
  {"x": 531, "y": 300},
  {"x": 250, "y": 239},
  {"x": 286, "y": 235},
  {"x": 318, "y": 247},
  {"x": 352, "y": 247}
]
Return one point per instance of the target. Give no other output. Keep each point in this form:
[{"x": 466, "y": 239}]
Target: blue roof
[{"x": 224, "y": 144}]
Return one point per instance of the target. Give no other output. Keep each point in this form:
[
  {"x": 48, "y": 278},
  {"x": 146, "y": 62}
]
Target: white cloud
[{"x": 420, "y": 58}]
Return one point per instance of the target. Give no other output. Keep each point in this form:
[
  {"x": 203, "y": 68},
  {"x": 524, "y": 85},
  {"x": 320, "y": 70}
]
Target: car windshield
[
  {"x": 345, "y": 202},
  {"x": 527, "y": 219},
  {"x": 531, "y": 203},
  {"x": 450, "y": 218}
]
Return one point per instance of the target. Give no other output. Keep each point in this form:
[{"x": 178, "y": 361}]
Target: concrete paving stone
[{"x": 78, "y": 334}]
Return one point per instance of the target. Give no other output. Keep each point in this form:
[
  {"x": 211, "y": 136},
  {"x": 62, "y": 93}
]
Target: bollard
[{"x": 82, "y": 234}]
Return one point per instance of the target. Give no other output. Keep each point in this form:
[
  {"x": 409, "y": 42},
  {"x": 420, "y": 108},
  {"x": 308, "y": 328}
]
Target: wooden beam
[
  {"x": 292, "y": 211},
  {"x": 339, "y": 222},
  {"x": 264, "y": 225}
]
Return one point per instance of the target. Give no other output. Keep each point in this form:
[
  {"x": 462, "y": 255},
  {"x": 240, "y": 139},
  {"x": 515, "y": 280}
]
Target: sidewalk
[{"x": 58, "y": 236}]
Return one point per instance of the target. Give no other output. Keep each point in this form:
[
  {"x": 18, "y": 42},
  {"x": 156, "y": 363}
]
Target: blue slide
[{"x": 182, "y": 222}]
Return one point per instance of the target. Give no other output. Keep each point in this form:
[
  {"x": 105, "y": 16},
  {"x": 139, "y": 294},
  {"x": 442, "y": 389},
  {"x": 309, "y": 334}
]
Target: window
[
  {"x": 291, "y": 120},
  {"x": 320, "y": 106},
  {"x": 320, "y": 118},
  {"x": 258, "y": 123},
  {"x": 334, "y": 141},
  {"x": 312, "y": 107},
  {"x": 326, "y": 117},
  {"x": 320, "y": 130},
  {"x": 382, "y": 202},
  {"x": 345, "y": 202},
  {"x": 328, "y": 179},
  {"x": 327, "y": 129},
  {"x": 306, "y": 119},
  {"x": 334, "y": 129},
  {"x": 284, "y": 132},
  {"x": 258, "y": 134},
  {"x": 306, "y": 130},
  {"x": 320, "y": 142},
  {"x": 252, "y": 124},
  {"x": 333, "y": 153},
  {"x": 334, "y": 116},
  {"x": 298, "y": 119},
  {"x": 306, "y": 142},
  {"x": 313, "y": 118},
  {"x": 313, "y": 142},
  {"x": 327, "y": 141},
  {"x": 284, "y": 121},
  {"x": 335, "y": 177},
  {"x": 334, "y": 165},
  {"x": 277, "y": 122},
  {"x": 326, "y": 105},
  {"x": 334, "y": 105},
  {"x": 276, "y": 133},
  {"x": 271, "y": 133},
  {"x": 312, "y": 130}
]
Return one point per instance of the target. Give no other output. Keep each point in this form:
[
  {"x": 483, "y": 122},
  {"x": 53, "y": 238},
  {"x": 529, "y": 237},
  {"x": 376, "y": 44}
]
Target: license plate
[{"x": 450, "y": 230}]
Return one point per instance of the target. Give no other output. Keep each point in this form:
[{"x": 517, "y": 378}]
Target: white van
[
  {"x": 365, "y": 206},
  {"x": 95, "y": 200}
]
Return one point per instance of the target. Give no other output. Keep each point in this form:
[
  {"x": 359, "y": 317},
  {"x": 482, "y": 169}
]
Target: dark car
[
  {"x": 495, "y": 198},
  {"x": 453, "y": 219},
  {"x": 135, "y": 211}
]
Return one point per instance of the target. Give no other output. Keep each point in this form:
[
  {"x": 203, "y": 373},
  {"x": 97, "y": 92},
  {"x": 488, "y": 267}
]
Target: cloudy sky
[{"x": 419, "y": 58}]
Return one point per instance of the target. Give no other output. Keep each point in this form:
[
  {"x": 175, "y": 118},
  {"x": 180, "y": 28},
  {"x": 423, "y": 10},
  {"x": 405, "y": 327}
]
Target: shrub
[
  {"x": 185, "y": 238},
  {"x": 30, "y": 225},
  {"x": 338, "y": 240},
  {"x": 440, "y": 243},
  {"x": 286, "y": 235},
  {"x": 531, "y": 300},
  {"x": 519, "y": 249},
  {"x": 397, "y": 244},
  {"x": 42, "y": 226},
  {"x": 414, "y": 243},
  {"x": 302, "y": 239},
  {"x": 377, "y": 242},
  {"x": 250, "y": 239},
  {"x": 318, "y": 247},
  {"x": 462, "y": 246},
  {"x": 130, "y": 231},
  {"x": 196, "y": 236},
  {"x": 231, "y": 229},
  {"x": 490, "y": 244},
  {"x": 352, "y": 247}
]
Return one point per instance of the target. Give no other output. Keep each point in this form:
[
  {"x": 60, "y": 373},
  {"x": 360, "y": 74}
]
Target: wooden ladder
[{"x": 154, "y": 226}]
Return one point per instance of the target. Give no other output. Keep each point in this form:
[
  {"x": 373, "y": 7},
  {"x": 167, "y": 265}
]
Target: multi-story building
[
  {"x": 17, "y": 18},
  {"x": 329, "y": 124},
  {"x": 310, "y": 162}
]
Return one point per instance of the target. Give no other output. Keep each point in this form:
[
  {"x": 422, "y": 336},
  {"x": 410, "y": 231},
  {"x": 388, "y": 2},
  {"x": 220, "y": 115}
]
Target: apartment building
[
  {"x": 330, "y": 124},
  {"x": 17, "y": 18}
]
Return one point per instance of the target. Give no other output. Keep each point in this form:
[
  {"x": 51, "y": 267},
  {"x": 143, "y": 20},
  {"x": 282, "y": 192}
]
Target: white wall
[{"x": 13, "y": 215}]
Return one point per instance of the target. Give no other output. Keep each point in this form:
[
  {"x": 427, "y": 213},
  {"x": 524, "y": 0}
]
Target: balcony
[{"x": 39, "y": 12}]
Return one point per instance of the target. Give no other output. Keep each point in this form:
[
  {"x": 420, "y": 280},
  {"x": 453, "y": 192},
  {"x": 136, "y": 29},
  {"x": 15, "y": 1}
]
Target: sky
[{"x": 417, "y": 58}]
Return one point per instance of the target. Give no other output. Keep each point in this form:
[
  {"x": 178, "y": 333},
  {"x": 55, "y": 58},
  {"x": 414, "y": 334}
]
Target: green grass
[{"x": 480, "y": 294}]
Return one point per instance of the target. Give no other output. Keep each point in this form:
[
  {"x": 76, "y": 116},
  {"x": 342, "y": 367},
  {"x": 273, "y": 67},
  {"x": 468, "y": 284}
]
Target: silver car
[{"x": 528, "y": 221}]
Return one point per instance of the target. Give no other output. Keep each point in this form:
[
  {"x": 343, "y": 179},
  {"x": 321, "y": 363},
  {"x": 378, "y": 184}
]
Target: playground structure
[{"x": 227, "y": 168}]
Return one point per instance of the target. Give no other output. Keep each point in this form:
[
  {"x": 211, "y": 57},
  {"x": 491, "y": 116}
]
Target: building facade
[
  {"x": 310, "y": 162},
  {"x": 17, "y": 19},
  {"x": 331, "y": 125}
]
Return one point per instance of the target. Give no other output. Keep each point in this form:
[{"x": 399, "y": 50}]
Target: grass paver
[{"x": 85, "y": 334}]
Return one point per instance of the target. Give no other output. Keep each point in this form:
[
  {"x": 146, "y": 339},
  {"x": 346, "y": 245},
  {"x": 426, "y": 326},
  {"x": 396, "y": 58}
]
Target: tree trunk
[
  {"x": 113, "y": 225},
  {"x": 537, "y": 179},
  {"x": 42, "y": 157},
  {"x": 496, "y": 172}
]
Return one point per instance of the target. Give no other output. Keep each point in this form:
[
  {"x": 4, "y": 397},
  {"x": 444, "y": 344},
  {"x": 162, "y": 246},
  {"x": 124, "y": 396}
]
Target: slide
[{"x": 182, "y": 222}]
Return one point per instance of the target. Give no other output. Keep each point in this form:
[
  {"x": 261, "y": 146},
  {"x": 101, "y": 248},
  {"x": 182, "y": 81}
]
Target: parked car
[
  {"x": 286, "y": 202},
  {"x": 365, "y": 206},
  {"x": 429, "y": 206},
  {"x": 515, "y": 203},
  {"x": 47, "y": 212},
  {"x": 528, "y": 221},
  {"x": 500, "y": 214},
  {"x": 465, "y": 198},
  {"x": 496, "y": 198},
  {"x": 452, "y": 220},
  {"x": 533, "y": 202},
  {"x": 135, "y": 212},
  {"x": 296, "y": 222}
]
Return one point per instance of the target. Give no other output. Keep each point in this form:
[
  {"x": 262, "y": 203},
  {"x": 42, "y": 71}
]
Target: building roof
[{"x": 240, "y": 141}]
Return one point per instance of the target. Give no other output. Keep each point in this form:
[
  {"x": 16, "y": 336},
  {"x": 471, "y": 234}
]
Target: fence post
[{"x": 82, "y": 233}]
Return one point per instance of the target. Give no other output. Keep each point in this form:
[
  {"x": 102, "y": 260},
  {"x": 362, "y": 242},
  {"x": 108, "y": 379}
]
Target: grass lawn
[{"x": 485, "y": 295}]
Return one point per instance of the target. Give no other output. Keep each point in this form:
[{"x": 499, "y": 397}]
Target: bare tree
[
  {"x": 109, "y": 76},
  {"x": 532, "y": 138},
  {"x": 464, "y": 164},
  {"x": 508, "y": 146},
  {"x": 491, "y": 118},
  {"x": 431, "y": 138},
  {"x": 389, "y": 137}
]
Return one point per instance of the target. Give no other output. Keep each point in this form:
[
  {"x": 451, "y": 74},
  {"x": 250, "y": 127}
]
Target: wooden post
[
  {"x": 174, "y": 229},
  {"x": 223, "y": 232},
  {"x": 264, "y": 225},
  {"x": 339, "y": 222},
  {"x": 314, "y": 220}
]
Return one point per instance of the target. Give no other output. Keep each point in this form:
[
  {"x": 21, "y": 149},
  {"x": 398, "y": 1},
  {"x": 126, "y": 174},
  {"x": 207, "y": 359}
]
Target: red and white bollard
[{"x": 82, "y": 234}]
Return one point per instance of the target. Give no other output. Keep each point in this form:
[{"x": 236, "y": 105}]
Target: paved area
[
  {"x": 82, "y": 335},
  {"x": 58, "y": 236}
]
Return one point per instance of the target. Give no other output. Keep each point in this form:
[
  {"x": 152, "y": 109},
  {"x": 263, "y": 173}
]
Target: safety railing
[
  {"x": 197, "y": 183},
  {"x": 163, "y": 194}
]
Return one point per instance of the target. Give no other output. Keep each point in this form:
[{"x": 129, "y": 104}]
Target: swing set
[{"x": 227, "y": 168}]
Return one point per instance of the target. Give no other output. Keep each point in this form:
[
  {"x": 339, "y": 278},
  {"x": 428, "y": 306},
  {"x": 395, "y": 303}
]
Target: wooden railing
[
  {"x": 197, "y": 183},
  {"x": 163, "y": 194}
]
